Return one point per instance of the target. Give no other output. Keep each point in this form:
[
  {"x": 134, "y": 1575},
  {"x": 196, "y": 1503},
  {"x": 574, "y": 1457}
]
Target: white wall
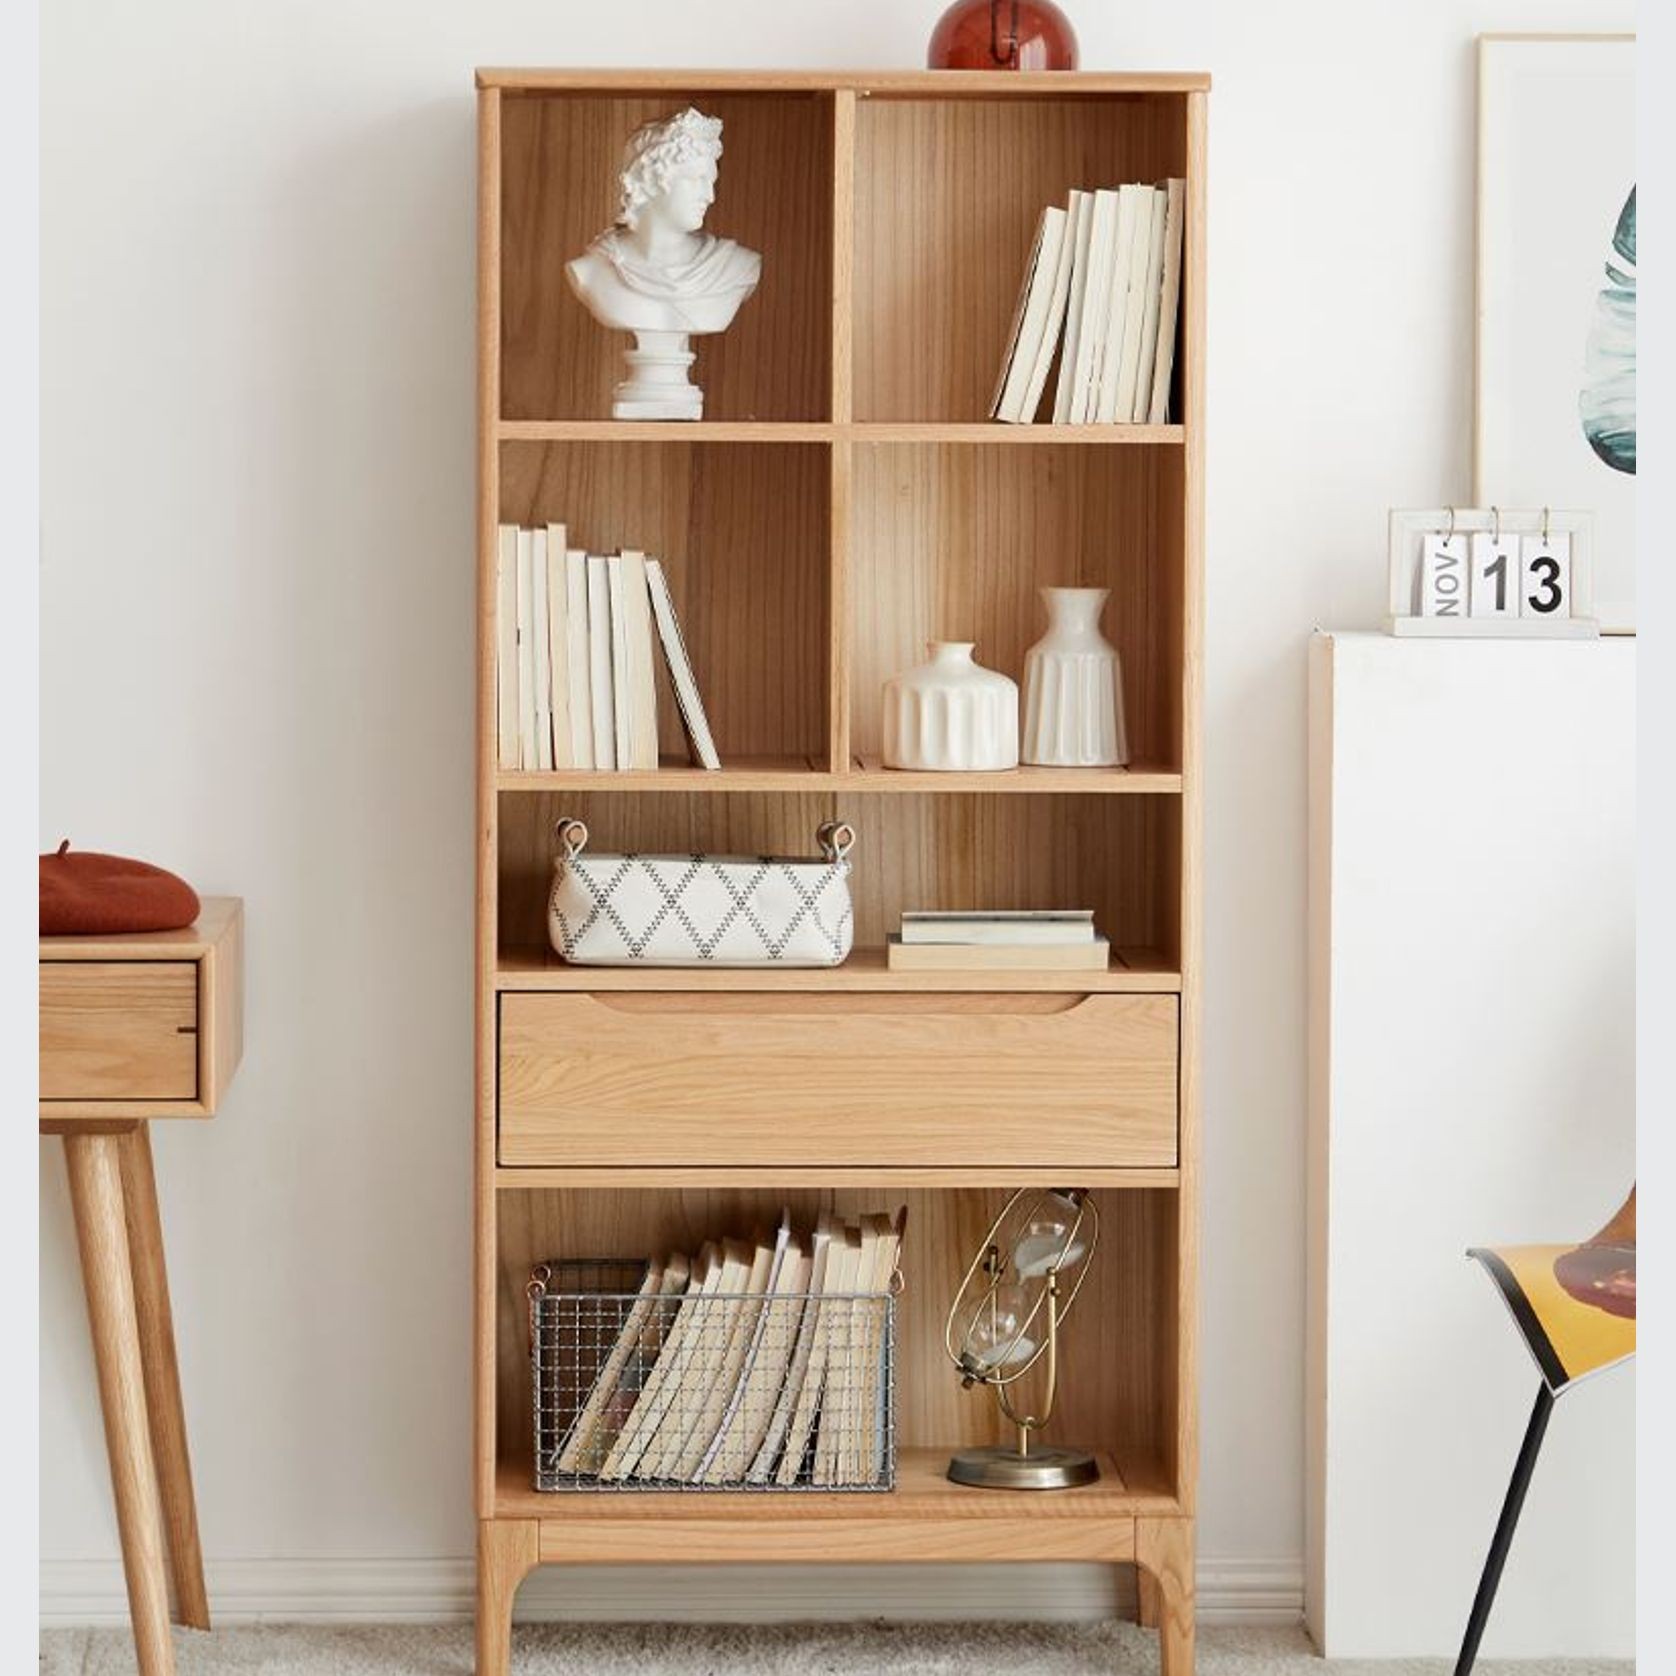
[{"x": 256, "y": 652}]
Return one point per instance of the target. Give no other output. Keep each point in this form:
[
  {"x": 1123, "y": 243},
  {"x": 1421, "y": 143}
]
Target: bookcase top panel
[{"x": 917, "y": 84}]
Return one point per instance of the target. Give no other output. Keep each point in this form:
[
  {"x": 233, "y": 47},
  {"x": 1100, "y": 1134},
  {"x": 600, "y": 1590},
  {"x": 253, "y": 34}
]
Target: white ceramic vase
[
  {"x": 1073, "y": 687},
  {"x": 950, "y": 715}
]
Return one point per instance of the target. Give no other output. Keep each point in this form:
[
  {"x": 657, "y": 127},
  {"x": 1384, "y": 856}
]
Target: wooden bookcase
[{"x": 842, "y": 501}]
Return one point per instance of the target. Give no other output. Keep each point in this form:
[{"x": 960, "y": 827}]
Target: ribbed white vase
[
  {"x": 950, "y": 715},
  {"x": 1073, "y": 687}
]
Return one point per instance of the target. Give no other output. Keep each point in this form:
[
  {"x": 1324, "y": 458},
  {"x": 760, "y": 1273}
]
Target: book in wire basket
[{"x": 740, "y": 1370}]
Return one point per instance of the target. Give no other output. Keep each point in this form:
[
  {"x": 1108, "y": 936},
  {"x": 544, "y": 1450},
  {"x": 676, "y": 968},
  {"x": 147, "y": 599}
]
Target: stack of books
[
  {"x": 575, "y": 666},
  {"x": 1103, "y": 289},
  {"x": 1046, "y": 940},
  {"x": 756, "y": 1363}
]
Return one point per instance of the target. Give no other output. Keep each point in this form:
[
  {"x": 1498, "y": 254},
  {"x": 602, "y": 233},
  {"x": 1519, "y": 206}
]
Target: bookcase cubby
[
  {"x": 774, "y": 195},
  {"x": 843, "y": 501},
  {"x": 743, "y": 532},
  {"x": 948, "y": 190},
  {"x": 1122, "y": 1407}
]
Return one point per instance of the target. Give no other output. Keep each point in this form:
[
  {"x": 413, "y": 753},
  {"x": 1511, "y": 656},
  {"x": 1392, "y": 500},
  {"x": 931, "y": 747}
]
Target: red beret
[{"x": 92, "y": 895}]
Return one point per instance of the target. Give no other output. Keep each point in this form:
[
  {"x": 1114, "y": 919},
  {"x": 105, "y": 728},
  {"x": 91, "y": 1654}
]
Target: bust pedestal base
[{"x": 657, "y": 386}]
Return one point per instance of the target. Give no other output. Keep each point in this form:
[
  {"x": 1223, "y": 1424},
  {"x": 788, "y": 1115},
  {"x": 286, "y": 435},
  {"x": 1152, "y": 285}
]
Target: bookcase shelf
[
  {"x": 843, "y": 501},
  {"x": 533, "y": 1178},
  {"x": 1132, "y": 971},
  {"x": 984, "y": 434},
  {"x": 922, "y": 1490},
  {"x": 804, "y": 774}
]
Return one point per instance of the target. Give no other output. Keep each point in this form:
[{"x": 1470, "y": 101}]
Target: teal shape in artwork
[{"x": 1606, "y": 403}]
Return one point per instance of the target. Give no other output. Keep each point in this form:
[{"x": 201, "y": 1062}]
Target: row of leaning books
[
  {"x": 1102, "y": 290},
  {"x": 578, "y": 636},
  {"x": 753, "y": 1362}
]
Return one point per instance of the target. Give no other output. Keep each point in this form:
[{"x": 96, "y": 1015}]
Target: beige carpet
[{"x": 795, "y": 1650}]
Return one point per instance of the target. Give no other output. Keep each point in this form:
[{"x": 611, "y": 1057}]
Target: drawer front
[
  {"x": 119, "y": 1030},
  {"x": 889, "y": 1079}
]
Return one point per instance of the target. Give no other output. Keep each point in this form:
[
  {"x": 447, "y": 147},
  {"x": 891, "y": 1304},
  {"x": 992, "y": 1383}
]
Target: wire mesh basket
[{"x": 636, "y": 1389}]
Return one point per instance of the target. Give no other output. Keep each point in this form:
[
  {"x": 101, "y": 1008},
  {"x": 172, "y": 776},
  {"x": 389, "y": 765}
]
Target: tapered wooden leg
[
  {"x": 1164, "y": 1553},
  {"x": 162, "y": 1378},
  {"x": 1146, "y": 1612},
  {"x": 507, "y": 1551},
  {"x": 95, "y": 1170}
]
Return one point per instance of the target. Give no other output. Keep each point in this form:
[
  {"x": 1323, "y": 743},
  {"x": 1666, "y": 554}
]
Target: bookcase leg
[
  {"x": 1146, "y": 1612},
  {"x": 507, "y": 1551},
  {"x": 1164, "y": 1554}
]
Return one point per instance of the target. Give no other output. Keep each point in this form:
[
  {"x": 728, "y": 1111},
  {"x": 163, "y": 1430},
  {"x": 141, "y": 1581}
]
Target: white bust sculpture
[{"x": 657, "y": 273}]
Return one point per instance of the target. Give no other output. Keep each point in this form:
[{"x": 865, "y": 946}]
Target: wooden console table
[{"x": 134, "y": 1028}]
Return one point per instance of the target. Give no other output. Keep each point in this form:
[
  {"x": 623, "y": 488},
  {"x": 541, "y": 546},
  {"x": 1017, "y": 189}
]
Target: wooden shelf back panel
[
  {"x": 952, "y": 543},
  {"x": 948, "y": 194},
  {"x": 1112, "y": 1381},
  {"x": 742, "y": 534},
  {"x": 929, "y": 850},
  {"x": 561, "y": 154}
]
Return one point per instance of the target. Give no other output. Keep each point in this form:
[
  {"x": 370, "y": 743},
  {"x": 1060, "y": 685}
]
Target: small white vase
[
  {"x": 950, "y": 715},
  {"x": 1073, "y": 687}
]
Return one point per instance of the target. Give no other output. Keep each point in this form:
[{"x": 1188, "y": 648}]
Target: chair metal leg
[{"x": 1503, "y": 1539}]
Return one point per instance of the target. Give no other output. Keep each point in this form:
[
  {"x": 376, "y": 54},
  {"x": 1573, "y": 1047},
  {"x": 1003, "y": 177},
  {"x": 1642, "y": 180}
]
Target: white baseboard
[{"x": 76, "y": 1593}]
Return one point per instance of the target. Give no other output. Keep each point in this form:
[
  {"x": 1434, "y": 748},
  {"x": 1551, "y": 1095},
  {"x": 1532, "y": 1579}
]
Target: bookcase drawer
[
  {"x": 888, "y": 1079},
  {"x": 119, "y": 1030}
]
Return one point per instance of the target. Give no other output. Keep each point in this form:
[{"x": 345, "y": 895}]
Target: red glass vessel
[{"x": 1003, "y": 35}]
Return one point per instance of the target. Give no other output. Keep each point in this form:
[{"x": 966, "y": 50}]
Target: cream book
[
  {"x": 813, "y": 1381},
  {"x": 786, "y": 1404},
  {"x": 1010, "y": 353},
  {"x": 1030, "y": 324},
  {"x": 506, "y": 649},
  {"x": 664, "y": 1385},
  {"x": 706, "y": 1343},
  {"x": 621, "y": 694},
  {"x": 1163, "y": 361},
  {"x": 1090, "y": 956},
  {"x": 558, "y": 650},
  {"x": 603, "y": 709},
  {"x": 541, "y": 652},
  {"x": 1153, "y": 286},
  {"x": 868, "y": 1460},
  {"x": 1070, "y": 925},
  {"x": 642, "y": 670},
  {"x": 714, "y": 1374},
  {"x": 1096, "y": 308},
  {"x": 526, "y": 649},
  {"x": 1103, "y": 402},
  {"x": 577, "y": 665},
  {"x": 1075, "y": 303},
  {"x": 1054, "y": 330},
  {"x": 838, "y": 1323},
  {"x": 1134, "y": 315},
  {"x": 618, "y": 1385},
  {"x": 728, "y": 1388},
  {"x": 746, "y": 1424},
  {"x": 687, "y": 698}
]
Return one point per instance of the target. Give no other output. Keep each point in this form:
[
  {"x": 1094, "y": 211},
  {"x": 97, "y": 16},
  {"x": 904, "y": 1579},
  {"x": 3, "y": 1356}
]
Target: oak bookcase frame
[{"x": 842, "y": 501}]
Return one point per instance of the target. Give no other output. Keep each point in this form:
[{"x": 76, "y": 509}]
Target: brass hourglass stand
[{"x": 1005, "y": 1320}]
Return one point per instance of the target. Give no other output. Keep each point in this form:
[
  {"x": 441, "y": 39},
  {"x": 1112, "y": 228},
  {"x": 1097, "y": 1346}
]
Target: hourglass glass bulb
[
  {"x": 1042, "y": 1245},
  {"x": 994, "y": 1335}
]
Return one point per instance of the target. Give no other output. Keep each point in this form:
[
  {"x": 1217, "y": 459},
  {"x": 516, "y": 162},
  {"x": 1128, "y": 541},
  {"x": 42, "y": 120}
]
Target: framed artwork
[{"x": 1555, "y": 407}]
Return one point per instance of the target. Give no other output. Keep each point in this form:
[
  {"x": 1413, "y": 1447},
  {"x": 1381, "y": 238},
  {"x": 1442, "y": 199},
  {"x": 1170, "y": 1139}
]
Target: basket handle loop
[
  {"x": 836, "y": 839},
  {"x": 571, "y": 836}
]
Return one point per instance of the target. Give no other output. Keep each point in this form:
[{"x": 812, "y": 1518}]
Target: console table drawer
[
  {"x": 888, "y": 1079},
  {"x": 119, "y": 1030}
]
